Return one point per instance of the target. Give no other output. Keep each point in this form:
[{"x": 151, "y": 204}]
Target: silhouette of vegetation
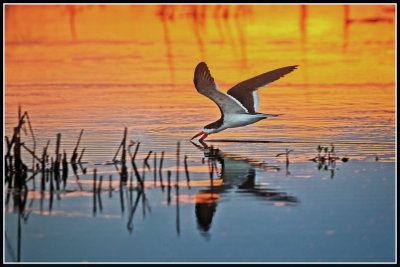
[{"x": 326, "y": 159}]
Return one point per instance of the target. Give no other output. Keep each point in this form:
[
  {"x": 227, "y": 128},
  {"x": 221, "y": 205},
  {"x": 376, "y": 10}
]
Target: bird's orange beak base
[{"x": 200, "y": 133}]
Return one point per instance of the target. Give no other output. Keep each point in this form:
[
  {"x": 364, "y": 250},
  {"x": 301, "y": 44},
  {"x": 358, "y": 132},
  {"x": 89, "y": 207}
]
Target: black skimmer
[{"x": 239, "y": 105}]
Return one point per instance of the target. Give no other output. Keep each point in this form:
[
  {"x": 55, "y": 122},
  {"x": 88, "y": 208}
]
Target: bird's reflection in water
[{"x": 235, "y": 174}]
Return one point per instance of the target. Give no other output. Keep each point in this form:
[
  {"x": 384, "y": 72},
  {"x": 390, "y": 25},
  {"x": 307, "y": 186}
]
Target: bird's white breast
[{"x": 239, "y": 120}]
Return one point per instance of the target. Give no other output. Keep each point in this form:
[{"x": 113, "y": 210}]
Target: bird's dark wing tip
[
  {"x": 202, "y": 72},
  {"x": 201, "y": 67}
]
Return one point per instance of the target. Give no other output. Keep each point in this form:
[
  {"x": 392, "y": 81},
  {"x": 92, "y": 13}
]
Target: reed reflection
[
  {"x": 236, "y": 174},
  {"x": 166, "y": 14}
]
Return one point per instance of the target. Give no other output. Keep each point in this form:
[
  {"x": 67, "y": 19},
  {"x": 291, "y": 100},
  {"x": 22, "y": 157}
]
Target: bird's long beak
[{"x": 200, "y": 133}]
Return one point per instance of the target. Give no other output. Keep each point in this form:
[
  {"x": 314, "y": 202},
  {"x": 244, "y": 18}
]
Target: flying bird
[{"x": 240, "y": 104}]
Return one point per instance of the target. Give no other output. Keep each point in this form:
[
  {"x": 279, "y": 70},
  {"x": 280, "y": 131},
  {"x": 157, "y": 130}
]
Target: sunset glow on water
[{"x": 105, "y": 67}]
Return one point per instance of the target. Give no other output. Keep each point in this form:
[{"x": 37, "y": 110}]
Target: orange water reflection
[{"x": 101, "y": 67}]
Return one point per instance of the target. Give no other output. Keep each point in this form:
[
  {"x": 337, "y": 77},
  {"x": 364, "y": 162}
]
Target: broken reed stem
[
  {"x": 7, "y": 163},
  {"x": 94, "y": 191},
  {"x": 177, "y": 209},
  {"x": 133, "y": 209},
  {"x": 57, "y": 173},
  {"x": 169, "y": 187},
  {"x": 42, "y": 182},
  {"x": 137, "y": 173},
  {"x": 110, "y": 186},
  {"x": 177, "y": 161},
  {"x": 56, "y": 168},
  {"x": 121, "y": 196},
  {"x": 99, "y": 186},
  {"x": 116, "y": 154},
  {"x": 47, "y": 145},
  {"x": 33, "y": 138},
  {"x": 124, "y": 171},
  {"x": 187, "y": 172},
  {"x": 121, "y": 145},
  {"x": 58, "y": 145},
  {"x": 155, "y": 168},
  {"x": 135, "y": 168},
  {"x": 51, "y": 174},
  {"x": 136, "y": 150},
  {"x": 75, "y": 152},
  {"x": 160, "y": 170},
  {"x": 146, "y": 159},
  {"x": 129, "y": 148},
  {"x": 17, "y": 159},
  {"x": 80, "y": 157},
  {"x": 15, "y": 135},
  {"x": 64, "y": 169}
]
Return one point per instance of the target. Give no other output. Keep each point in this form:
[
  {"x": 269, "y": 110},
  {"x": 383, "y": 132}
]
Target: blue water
[{"x": 259, "y": 213}]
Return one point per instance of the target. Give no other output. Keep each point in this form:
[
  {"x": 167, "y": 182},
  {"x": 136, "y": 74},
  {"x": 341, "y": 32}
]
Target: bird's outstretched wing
[
  {"x": 206, "y": 86},
  {"x": 246, "y": 91}
]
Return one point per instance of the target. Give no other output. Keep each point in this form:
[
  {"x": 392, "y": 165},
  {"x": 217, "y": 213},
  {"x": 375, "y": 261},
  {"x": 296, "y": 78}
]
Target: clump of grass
[{"x": 326, "y": 158}]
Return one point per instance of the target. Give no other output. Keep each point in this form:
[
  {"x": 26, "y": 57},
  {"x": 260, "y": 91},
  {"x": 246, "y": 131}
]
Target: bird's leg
[
  {"x": 205, "y": 146},
  {"x": 203, "y": 137},
  {"x": 196, "y": 145}
]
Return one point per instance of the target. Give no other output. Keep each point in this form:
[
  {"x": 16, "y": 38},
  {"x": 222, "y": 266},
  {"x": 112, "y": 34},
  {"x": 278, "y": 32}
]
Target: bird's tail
[{"x": 272, "y": 115}]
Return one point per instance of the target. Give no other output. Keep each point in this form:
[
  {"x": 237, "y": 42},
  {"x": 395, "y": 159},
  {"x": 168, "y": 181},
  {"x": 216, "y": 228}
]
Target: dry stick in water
[
  {"x": 121, "y": 145},
  {"x": 124, "y": 171},
  {"x": 129, "y": 148},
  {"x": 169, "y": 187},
  {"x": 177, "y": 189},
  {"x": 42, "y": 182},
  {"x": 135, "y": 168},
  {"x": 64, "y": 169},
  {"x": 7, "y": 162},
  {"x": 47, "y": 145},
  {"x": 15, "y": 135},
  {"x": 160, "y": 170},
  {"x": 33, "y": 137},
  {"x": 137, "y": 173},
  {"x": 99, "y": 193},
  {"x": 155, "y": 169},
  {"x": 177, "y": 162},
  {"x": 136, "y": 150},
  {"x": 17, "y": 160},
  {"x": 75, "y": 153},
  {"x": 187, "y": 172},
  {"x": 110, "y": 187},
  {"x": 80, "y": 157},
  {"x": 50, "y": 174},
  {"x": 57, "y": 161},
  {"x": 94, "y": 191},
  {"x": 177, "y": 207},
  {"x": 130, "y": 225},
  {"x": 99, "y": 185},
  {"x": 57, "y": 175},
  {"x": 121, "y": 195},
  {"x": 146, "y": 159}
]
